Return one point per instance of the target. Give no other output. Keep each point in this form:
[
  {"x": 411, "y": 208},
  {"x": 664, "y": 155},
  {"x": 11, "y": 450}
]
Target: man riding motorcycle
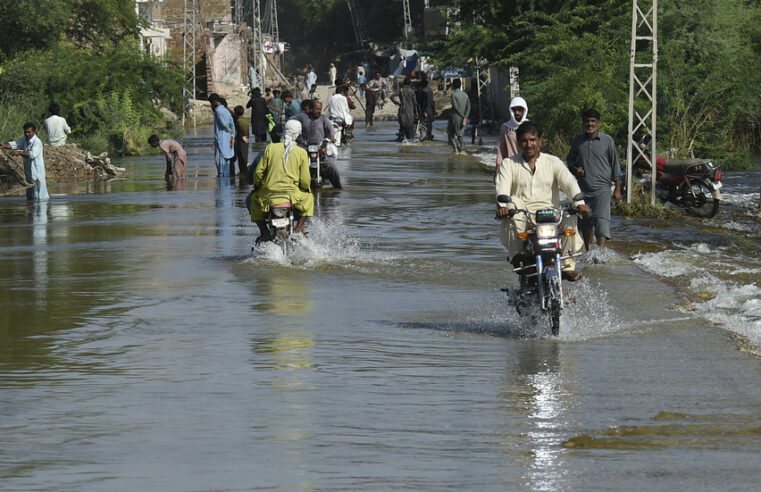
[
  {"x": 282, "y": 171},
  {"x": 339, "y": 108},
  {"x": 315, "y": 126},
  {"x": 532, "y": 180}
]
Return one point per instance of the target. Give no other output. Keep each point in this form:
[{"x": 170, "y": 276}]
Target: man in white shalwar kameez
[
  {"x": 30, "y": 148},
  {"x": 533, "y": 181},
  {"x": 338, "y": 106}
]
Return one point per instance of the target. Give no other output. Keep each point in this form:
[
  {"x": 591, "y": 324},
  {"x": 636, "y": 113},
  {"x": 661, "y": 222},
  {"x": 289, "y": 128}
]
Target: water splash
[
  {"x": 725, "y": 286},
  {"x": 328, "y": 243},
  {"x": 597, "y": 255},
  {"x": 588, "y": 313}
]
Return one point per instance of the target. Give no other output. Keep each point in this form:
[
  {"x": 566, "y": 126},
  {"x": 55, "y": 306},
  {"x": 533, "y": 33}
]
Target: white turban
[{"x": 291, "y": 132}]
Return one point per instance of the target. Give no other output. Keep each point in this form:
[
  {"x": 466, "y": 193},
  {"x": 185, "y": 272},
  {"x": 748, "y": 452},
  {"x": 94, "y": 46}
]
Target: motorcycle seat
[
  {"x": 281, "y": 205},
  {"x": 680, "y": 167}
]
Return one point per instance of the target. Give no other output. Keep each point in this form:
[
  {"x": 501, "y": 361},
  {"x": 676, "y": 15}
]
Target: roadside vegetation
[
  {"x": 84, "y": 55},
  {"x": 575, "y": 55}
]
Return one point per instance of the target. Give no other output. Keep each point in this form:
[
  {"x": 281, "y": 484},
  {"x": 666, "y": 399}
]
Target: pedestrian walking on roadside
[
  {"x": 56, "y": 126},
  {"x": 224, "y": 136},
  {"x": 311, "y": 77},
  {"x": 407, "y": 114},
  {"x": 332, "y": 73},
  {"x": 242, "y": 127},
  {"x": 176, "y": 157},
  {"x": 458, "y": 117},
  {"x": 594, "y": 161},
  {"x": 259, "y": 114},
  {"x": 369, "y": 106},
  {"x": 30, "y": 148}
]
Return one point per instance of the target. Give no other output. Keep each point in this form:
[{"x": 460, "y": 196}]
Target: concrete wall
[{"x": 226, "y": 63}]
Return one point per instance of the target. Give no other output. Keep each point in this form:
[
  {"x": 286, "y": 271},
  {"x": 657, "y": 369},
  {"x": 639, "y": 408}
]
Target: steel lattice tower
[
  {"x": 189, "y": 52},
  {"x": 407, "y": 20},
  {"x": 643, "y": 67}
]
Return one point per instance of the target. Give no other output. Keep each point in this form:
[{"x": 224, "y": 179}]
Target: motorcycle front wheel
[
  {"x": 555, "y": 317},
  {"x": 699, "y": 200}
]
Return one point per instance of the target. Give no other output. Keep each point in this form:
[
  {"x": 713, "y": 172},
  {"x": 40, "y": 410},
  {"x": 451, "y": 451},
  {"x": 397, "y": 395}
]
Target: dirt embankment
[{"x": 67, "y": 163}]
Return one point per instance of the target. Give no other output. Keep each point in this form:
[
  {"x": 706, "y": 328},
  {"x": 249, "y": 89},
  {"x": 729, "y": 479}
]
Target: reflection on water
[
  {"x": 39, "y": 219},
  {"x": 536, "y": 390}
]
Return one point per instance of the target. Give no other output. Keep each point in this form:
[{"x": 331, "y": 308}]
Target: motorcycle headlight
[
  {"x": 546, "y": 230},
  {"x": 280, "y": 212}
]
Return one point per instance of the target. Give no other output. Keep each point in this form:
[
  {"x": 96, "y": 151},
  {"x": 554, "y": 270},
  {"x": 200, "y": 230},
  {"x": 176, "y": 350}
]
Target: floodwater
[{"x": 143, "y": 346}]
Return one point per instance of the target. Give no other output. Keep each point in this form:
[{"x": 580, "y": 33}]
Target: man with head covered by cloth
[
  {"x": 282, "y": 176},
  {"x": 507, "y": 144}
]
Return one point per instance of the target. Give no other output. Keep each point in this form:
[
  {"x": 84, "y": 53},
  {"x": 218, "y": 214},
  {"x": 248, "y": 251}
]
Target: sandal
[{"x": 571, "y": 275}]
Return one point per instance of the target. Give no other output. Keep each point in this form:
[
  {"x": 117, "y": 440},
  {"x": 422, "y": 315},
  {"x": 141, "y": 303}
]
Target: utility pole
[
  {"x": 643, "y": 69},
  {"x": 407, "y": 21},
  {"x": 483, "y": 76},
  {"x": 189, "y": 55},
  {"x": 359, "y": 29},
  {"x": 256, "y": 51}
]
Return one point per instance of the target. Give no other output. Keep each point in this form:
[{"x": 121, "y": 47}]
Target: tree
[
  {"x": 42, "y": 24},
  {"x": 573, "y": 55}
]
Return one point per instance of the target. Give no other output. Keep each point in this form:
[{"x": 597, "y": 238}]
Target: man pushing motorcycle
[
  {"x": 533, "y": 180},
  {"x": 282, "y": 172}
]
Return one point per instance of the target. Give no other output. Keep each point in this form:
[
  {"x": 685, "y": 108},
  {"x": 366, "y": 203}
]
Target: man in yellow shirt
[
  {"x": 533, "y": 181},
  {"x": 282, "y": 176}
]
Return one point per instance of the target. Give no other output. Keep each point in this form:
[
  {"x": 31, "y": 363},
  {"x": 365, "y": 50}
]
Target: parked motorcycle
[
  {"x": 539, "y": 262},
  {"x": 690, "y": 183}
]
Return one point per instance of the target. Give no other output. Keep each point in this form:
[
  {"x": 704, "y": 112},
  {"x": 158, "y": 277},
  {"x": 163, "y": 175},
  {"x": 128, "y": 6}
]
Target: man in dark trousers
[
  {"x": 259, "y": 114},
  {"x": 594, "y": 161}
]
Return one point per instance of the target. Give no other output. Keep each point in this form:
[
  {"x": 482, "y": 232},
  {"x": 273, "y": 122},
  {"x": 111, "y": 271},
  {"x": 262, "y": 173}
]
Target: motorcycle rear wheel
[{"x": 699, "y": 200}]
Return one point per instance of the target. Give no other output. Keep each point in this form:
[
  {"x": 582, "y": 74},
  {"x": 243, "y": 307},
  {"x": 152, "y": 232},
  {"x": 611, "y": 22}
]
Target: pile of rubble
[{"x": 67, "y": 163}]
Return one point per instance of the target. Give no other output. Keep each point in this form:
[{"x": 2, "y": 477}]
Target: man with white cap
[
  {"x": 281, "y": 176},
  {"x": 507, "y": 145}
]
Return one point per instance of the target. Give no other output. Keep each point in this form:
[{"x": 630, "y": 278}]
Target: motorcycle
[
  {"x": 318, "y": 155},
  {"x": 693, "y": 184},
  {"x": 281, "y": 219},
  {"x": 342, "y": 131},
  {"x": 538, "y": 264}
]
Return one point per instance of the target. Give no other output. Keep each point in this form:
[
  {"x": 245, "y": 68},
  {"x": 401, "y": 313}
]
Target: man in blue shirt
[{"x": 224, "y": 135}]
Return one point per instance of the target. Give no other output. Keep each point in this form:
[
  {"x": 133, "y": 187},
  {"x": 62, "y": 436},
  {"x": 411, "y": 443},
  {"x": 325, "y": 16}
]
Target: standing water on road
[{"x": 144, "y": 346}]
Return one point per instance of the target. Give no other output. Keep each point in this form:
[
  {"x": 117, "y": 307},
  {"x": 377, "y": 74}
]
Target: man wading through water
[{"x": 594, "y": 161}]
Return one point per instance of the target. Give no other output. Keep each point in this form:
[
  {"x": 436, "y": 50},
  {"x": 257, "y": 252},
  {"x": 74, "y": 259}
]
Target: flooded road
[{"x": 143, "y": 346}]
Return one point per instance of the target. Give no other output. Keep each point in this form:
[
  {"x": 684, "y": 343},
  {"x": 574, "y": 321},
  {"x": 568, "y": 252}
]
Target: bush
[{"x": 113, "y": 96}]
